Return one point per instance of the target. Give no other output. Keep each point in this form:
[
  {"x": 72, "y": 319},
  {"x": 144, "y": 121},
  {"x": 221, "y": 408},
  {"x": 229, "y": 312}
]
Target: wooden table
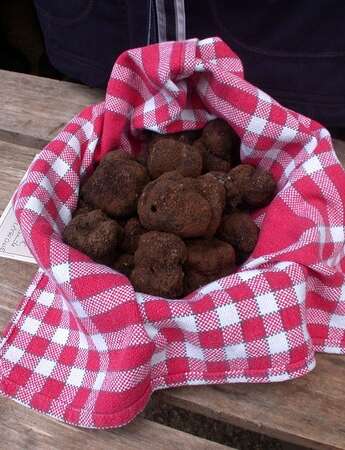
[{"x": 308, "y": 411}]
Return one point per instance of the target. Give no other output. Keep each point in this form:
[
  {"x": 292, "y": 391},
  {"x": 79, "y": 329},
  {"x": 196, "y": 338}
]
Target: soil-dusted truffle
[
  {"x": 173, "y": 203},
  {"x": 210, "y": 256},
  {"x": 166, "y": 283},
  {"x": 241, "y": 175},
  {"x": 214, "y": 191},
  {"x": 218, "y": 138},
  {"x": 115, "y": 155},
  {"x": 260, "y": 189},
  {"x": 82, "y": 208},
  {"x": 167, "y": 155},
  {"x": 161, "y": 250},
  {"x": 115, "y": 186},
  {"x": 194, "y": 280},
  {"x": 187, "y": 137},
  {"x": 239, "y": 230},
  {"x": 158, "y": 264},
  {"x": 233, "y": 196},
  {"x": 132, "y": 232},
  {"x": 124, "y": 264},
  {"x": 211, "y": 161},
  {"x": 94, "y": 234}
]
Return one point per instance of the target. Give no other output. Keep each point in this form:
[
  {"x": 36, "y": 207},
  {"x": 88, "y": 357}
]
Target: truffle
[
  {"x": 166, "y": 283},
  {"x": 210, "y": 256},
  {"x": 94, "y": 234},
  {"x": 173, "y": 203},
  {"x": 239, "y": 230},
  {"x": 158, "y": 264},
  {"x": 260, "y": 189},
  {"x": 207, "y": 261},
  {"x": 115, "y": 186},
  {"x": 218, "y": 138},
  {"x": 82, "y": 208},
  {"x": 132, "y": 232},
  {"x": 167, "y": 155},
  {"x": 161, "y": 250},
  {"x": 213, "y": 190},
  {"x": 211, "y": 161}
]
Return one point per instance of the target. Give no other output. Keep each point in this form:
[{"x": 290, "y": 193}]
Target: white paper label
[{"x": 12, "y": 244}]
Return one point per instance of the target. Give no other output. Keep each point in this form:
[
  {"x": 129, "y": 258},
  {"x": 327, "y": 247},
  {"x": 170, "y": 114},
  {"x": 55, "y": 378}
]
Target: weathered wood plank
[
  {"x": 21, "y": 428},
  {"x": 37, "y": 107}
]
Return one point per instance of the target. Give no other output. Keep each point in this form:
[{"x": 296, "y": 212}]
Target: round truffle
[
  {"x": 239, "y": 230},
  {"x": 160, "y": 250},
  {"x": 94, "y": 234},
  {"x": 115, "y": 186},
  {"x": 218, "y": 138},
  {"x": 175, "y": 204},
  {"x": 260, "y": 189},
  {"x": 210, "y": 256},
  {"x": 167, "y": 155},
  {"x": 132, "y": 232},
  {"x": 214, "y": 191},
  {"x": 115, "y": 155},
  {"x": 167, "y": 283},
  {"x": 210, "y": 161},
  {"x": 241, "y": 175},
  {"x": 158, "y": 264},
  {"x": 186, "y": 137},
  {"x": 194, "y": 280},
  {"x": 82, "y": 208}
]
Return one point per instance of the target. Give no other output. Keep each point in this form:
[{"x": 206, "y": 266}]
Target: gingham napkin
[{"x": 83, "y": 347}]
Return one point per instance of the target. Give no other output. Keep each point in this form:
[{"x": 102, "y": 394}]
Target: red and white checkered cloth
[{"x": 83, "y": 346}]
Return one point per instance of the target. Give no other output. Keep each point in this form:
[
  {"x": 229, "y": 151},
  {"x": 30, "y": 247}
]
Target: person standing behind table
[{"x": 295, "y": 50}]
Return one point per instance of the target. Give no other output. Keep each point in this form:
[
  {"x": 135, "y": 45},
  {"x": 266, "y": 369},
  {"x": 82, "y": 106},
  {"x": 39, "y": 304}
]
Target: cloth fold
[{"x": 83, "y": 347}]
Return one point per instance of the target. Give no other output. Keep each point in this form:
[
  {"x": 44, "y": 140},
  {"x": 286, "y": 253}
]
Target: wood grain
[
  {"x": 21, "y": 428},
  {"x": 38, "y": 107}
]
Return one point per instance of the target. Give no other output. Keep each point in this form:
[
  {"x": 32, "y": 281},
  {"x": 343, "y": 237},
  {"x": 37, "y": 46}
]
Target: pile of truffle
[{"x": 177, "y": 219}]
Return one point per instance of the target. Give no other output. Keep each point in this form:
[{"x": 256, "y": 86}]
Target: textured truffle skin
[
  {"x": 167, "y": 283},
  {"x": 167, "y": 155},
  {"x": 132, "y": 232},
  {"x": 115, "y": 186},
  {"x": 218, "y": 138},
  {"x": 213, "y": 190},
  {"x": 233, "y": 195},
  {"x": 187, "y": 137},
  {"x": 115, "y": 155},
  {"x": 160, "y": 249},
  {"x": 239, "y": 230},
  {"x": 260, "y": 190},
  {"x": 211, "y": 161},
  {"x": 173, "y": 204},
  {"x": 207, "y": 261},
  {"x": 241, "y": 176},
  {"x": 158, "y": 265},
  {"x": 82, "y": 208},
  {"x": 194, "y": 280},
  {"x": 124, "y": 264},
  {"x": 210, "y": 256},
  {"x": 94, "y": 234}
]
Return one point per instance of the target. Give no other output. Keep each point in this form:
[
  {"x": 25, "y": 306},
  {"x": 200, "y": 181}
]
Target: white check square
[
  {"x": 267, "y": 303},
  {"x": 228, "y": 315},
  {"x": 278, "y": 343},
  {"x": 61, "y": 336},
  {"x": 31, "y": 325},
  {"x": 75, "y": 377},
  {"x": 257, "y": 125},
  {"x": 45, "y": 367}
]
